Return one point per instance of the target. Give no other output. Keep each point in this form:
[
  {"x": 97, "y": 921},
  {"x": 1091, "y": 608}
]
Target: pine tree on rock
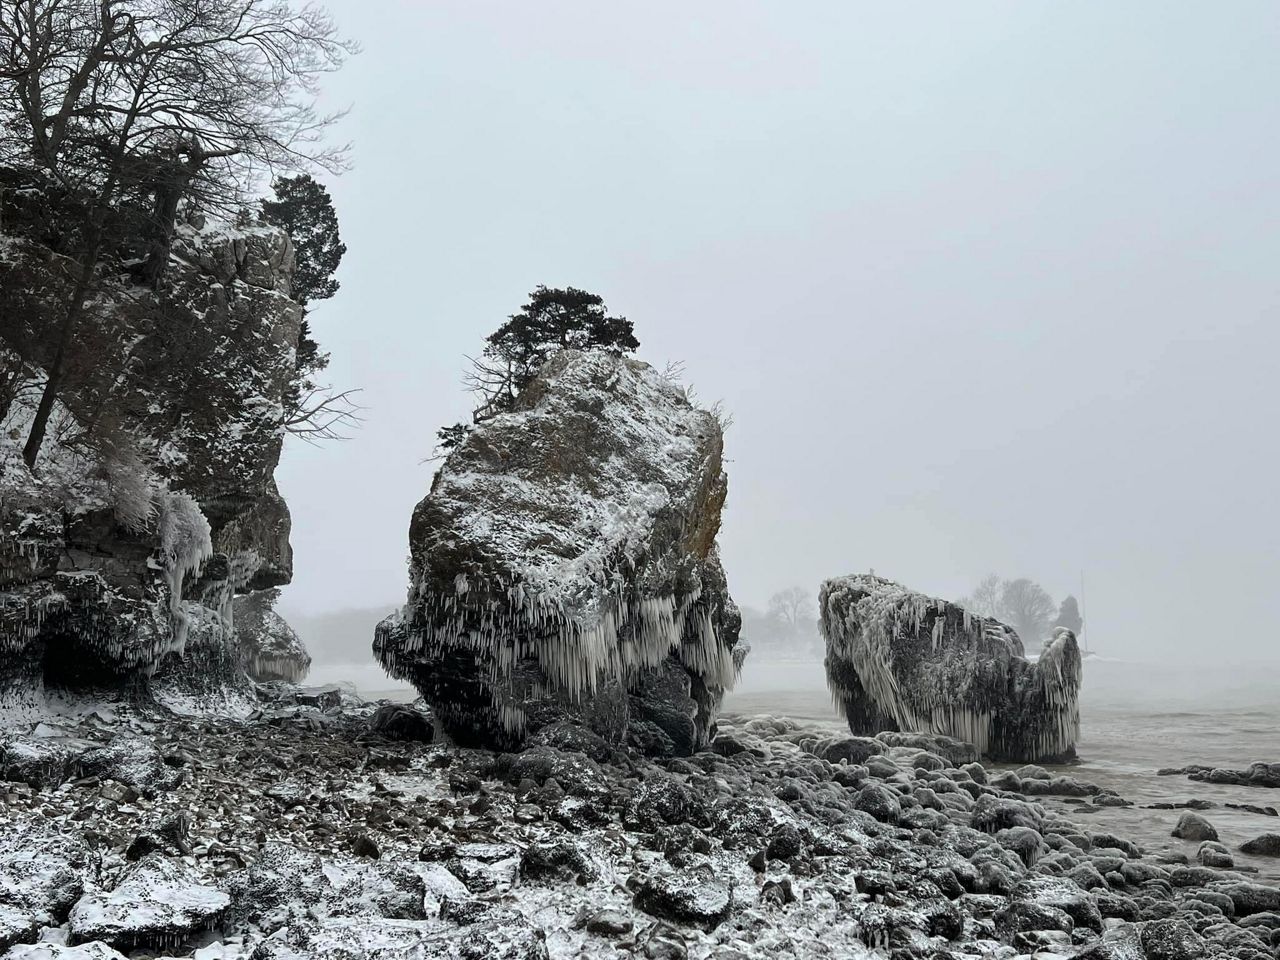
[
  {"x": 303, "y": 209},
  {"x": 554, "y": 319}
]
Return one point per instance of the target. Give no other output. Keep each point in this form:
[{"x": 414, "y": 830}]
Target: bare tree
[
  {"x": 123, "y": 103},
  {"x": 324, "y": 414},
  {"x": 985, "y": 599},
  {"x": 789, "y": 604},
  {"x": 1027, "y": 608}
]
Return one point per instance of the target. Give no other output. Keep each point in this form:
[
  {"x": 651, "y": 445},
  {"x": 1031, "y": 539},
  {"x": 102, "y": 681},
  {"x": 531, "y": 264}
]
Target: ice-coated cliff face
[
  {"x": 565, "y": 559},
  {"x": 153, "y": 502},
  {"x": 899, "y": 660}
]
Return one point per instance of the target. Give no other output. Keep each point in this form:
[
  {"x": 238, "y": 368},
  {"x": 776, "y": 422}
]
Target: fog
[{"x": 986, "y": 287}]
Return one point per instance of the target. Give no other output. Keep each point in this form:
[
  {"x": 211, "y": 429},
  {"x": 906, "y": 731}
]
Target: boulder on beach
[
  {"x": 1266, "y": 845},
  {"x": 159, "y": 902},
  {"x": 898, "y": 660},
  {"x": 565, "y": 562}
]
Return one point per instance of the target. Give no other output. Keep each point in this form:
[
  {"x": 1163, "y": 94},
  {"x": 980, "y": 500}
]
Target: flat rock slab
[
  {"x": 694, "y": 897},
  {"x": 348, "y": 938},
  {"x": 38, "y": 881},
  {"x": 53, "y": 951},
  {"x": 160, "y": 903}
]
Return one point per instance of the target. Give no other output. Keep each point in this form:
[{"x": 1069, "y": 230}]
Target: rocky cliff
[
  {"x": 901, "y": 661},
  {"x": 153, "y": 502},
  {"x": 565, "y": 561}
]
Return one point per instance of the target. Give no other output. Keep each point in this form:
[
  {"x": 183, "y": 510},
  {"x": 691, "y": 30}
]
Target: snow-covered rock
[
  {"x": 153, "y": 498},
  {"x": 40, "y": 880},
  {"x": 901, "y": 661},
  {"x": 272, "y": 649},
  {"x": 160, "y": 902},
  {"x": 565, "y": 560}
]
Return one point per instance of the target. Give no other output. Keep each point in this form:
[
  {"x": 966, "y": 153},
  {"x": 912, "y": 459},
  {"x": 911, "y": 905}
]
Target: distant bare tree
[
  {"x": 790, "y": 604},
  {"x": 127, "y": 103},
  {"x": 1027, "y": 608},
  {"x": 985, "y": 599}
]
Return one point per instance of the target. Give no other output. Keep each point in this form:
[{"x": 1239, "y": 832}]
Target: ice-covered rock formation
[
  {"x": 153, "y": 502},
  {"x": 272, "y": 649},
  {"x": 565, "y": 559},
  {"x": 899, "y": 660}
]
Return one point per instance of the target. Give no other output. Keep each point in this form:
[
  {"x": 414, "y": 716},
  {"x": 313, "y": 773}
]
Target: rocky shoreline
[{"x": 313, "y": 829}]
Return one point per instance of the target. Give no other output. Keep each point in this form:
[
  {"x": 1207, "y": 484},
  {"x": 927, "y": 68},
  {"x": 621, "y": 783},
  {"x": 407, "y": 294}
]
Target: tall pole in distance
[{"x": 1084, "y": 624}]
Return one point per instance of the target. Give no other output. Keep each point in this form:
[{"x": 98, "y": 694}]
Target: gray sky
[{"x": 985, "y": 286}]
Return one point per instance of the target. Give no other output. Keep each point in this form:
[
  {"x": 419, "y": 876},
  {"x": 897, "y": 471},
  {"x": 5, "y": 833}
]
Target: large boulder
[
  {"x": 272, "y": 649},
  {"x": 159, "y": 902},
  {"x": 565, "y": 561},
  {"x": 154, "y": 497},
  {"x": 898, "y": 660}
]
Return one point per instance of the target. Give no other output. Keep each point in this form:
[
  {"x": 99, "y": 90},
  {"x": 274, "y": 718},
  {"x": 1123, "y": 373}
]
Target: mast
[{"x": 1084, "y": 624}]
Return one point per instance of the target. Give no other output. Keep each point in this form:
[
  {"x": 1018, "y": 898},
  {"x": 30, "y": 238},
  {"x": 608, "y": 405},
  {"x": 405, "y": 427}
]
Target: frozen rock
[
  {"x": 54, "y": 951},
  {"x": 95, "y": 591},
  {"x": 401, "y": 722},
  {"x": 1214, "y": 854},
  {"x": 1171, "y": 939},
  {"x": 694, "y": 897},
  {"x": 901, "y": 661},
  {"x": 158, "y": 903},
  {"x": 565, "y": 560},
  {"x": 41, "y": 877},
  {"x": 1251, "y": 898},
  {"x": 16, "y": 926},
  {"x": 506, "y": 937},
  {"x": 271, "y": 649},
  {"x": 38, "y": 762},
  {"x": 133, "y": 761},
  {"x": 956, "y": 752},
  {"x": 847, "y": 749},
  {"x": 1064, "y": 895}
]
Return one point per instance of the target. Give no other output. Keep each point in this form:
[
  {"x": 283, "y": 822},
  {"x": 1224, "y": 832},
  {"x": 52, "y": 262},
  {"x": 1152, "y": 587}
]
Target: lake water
[{"x": 1135, "y": 719}]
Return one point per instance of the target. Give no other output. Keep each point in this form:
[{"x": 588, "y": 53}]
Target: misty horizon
[{"x": 987, "y": 290}]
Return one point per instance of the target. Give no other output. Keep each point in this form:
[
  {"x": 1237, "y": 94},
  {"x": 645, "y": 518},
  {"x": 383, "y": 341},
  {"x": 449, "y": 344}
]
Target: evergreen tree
[
  {"x": 1069, "y": 616},
  {"x": 303, "y": 209},
  {"x": 1026, "y": 607},
  {"x": 554, "y": 319}
]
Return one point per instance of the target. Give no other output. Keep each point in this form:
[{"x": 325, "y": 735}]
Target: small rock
[
  {"x": 1171, "y": 939},
  {"x": 1266, "y": 845},
  {"x": 1192, "y": 826},
  {"x": 693, "y": 897},
  {"x": 365, "y": 846},
  {"x": 117, "y": 792},
  {"x": 610, "y": 923},
  {"x": 665, "y": 943}
]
